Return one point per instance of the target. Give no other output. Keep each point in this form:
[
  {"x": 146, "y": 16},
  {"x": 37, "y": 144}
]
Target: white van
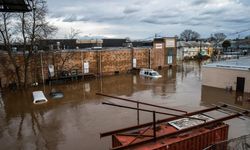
[{"x": 149, "y": 73}]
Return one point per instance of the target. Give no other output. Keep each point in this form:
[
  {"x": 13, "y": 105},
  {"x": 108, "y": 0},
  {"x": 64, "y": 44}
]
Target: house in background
[
  {"x": 240, "y": 46},
  {"x": 191, "y": 49}
]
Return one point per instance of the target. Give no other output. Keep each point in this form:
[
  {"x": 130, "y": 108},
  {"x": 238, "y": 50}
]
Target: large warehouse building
[{"x": 231, "y": 74}]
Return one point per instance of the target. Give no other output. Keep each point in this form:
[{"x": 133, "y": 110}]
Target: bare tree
[
  {"x": 31, "y": 28},
  {"x": 189, "y": 35},
  {"x": 74, "y": 33},
  {"x": 34, "y": 28},
  {"x": 219, "y": 37},
  {"x": 7, "y": 32},
  {"x": 216, "y": 39},
  {"x": 63, "y": 58}
]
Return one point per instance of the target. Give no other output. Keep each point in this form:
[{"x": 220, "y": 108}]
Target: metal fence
[{"x": 240, "y": 143}]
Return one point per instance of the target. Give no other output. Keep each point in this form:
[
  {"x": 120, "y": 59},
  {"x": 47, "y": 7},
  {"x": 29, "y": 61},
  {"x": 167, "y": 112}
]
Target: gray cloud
[
  {"x": 237, "y": 20},
  {"x": 151, "y": 21},
  {"x": 157, "y": 21},
  {"x": 56, "y": 15},
  {"x": 74, "y": 18},
  {"x": 129, "y": 10},
  {"x": 193, "y": 23},
  {"x": 214, "y": 12},
  {"x": 71, "y": 18},
  {"x": 109, "y": 18},
  {"x": 164, "y": 15},
  {"x": 169, "y": 15},
  {"x": 201, "y": 18},
  {"x": 83, "y": 19},
  {"x": 200, "y": 2}
]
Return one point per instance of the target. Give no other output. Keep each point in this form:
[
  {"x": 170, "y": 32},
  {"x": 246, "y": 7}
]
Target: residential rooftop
[
  {"x": 243, "y": 63},
  {"x": 193, "y": 44}
]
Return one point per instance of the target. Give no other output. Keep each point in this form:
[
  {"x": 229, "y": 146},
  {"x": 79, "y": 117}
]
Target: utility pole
[{"x": 200, "y": 45}]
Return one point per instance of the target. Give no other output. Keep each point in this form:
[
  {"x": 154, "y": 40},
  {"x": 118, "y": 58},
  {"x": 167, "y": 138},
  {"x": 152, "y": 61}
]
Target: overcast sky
[{"x": 140, "y": 19}]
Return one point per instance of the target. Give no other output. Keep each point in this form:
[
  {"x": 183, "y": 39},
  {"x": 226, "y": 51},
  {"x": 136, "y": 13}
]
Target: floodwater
[{"x": 76, "y": 121}]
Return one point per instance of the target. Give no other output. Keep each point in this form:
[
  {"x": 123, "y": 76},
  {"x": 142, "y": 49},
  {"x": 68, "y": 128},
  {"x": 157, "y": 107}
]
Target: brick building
[
  {"x": 164, "y": 52},
  {"x": 103, "y": 61}
]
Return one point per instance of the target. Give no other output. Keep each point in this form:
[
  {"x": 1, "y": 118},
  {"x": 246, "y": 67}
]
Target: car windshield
[{"x": 155, "y": 74}]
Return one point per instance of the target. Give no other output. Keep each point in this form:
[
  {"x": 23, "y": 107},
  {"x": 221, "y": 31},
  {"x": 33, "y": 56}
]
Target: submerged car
[
  {"x": 55, "y": 94},
  {"x": 39, "y": 97},
  {"x": 150, "y": 73}
]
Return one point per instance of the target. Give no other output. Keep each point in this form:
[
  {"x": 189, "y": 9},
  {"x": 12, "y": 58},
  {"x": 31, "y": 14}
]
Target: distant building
[
  {"x": 238, "y": 47},
  {"x": 113, "y": 42},
  {"x": 67, "y": 44},
  {"x": 190, "y": 49},
  {"x": 142, "y": 43},
  {"x": 92, "y": 43},
  {"x": 56, "y": 44},
  {"x": 241, "y": 46},
  {"x": 16, "y": 47},
  {"x": 91, "y": 56},
  {"x": 164, "y": 52},
  {"x": 232, "y": 74}
]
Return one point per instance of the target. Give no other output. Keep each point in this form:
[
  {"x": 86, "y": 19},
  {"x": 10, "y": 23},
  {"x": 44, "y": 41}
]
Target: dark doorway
[{"x": 240, "y": 84}]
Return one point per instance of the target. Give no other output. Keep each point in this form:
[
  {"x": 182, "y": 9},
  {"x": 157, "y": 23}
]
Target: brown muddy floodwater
[{"x": 75, "y": 121}]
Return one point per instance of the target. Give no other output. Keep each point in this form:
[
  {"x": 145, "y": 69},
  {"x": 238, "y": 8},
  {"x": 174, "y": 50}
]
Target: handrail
[
  {"x": 143, "y": 103},
  {"x": 147, "y": 110}
]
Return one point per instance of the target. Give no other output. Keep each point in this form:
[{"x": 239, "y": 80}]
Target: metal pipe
[
  {"x": 82, "y": 63},
  {"x": 179, "y": 131},
  {"x": 138, "y": 114},
  {"x": 226, "y": 112},
  {"x": 146, "y": 110},
  {"x": 133, "y": 101},
  {"x": 157, "y": 122},
  {"x": 41, "y": 54},
  {"x": 130, "y": 134},
  {"x": 154, "y": 125},
  {"x": 230, "y": 110},
  {"x": 235, "y": 107},
  {"x": 140, "y": 135}
]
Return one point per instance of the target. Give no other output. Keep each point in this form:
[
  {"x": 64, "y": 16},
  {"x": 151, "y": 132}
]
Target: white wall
[
  {"x": 221, "y": 78},
  {"x": 180, "y": 54}
]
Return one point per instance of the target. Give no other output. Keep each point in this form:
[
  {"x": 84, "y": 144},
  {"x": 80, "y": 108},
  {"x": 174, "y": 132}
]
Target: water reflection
[
  {"x": 212, "y": 95},
  {"x": 79, "y": 114},
  {"x": 27, "y": 123},
  {"x": 238, "y": 126},
  {"x": 75, "y": 121}
]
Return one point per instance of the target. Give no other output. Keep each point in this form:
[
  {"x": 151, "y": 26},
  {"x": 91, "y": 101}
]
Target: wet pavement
[{"x": 75, "y": 121}]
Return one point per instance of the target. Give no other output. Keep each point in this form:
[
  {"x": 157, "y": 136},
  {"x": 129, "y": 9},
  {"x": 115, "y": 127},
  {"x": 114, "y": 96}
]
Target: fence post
[{"x": 154, "y": 125}]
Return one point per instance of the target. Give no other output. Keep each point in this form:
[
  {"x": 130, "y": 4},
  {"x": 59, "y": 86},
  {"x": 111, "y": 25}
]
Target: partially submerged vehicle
[
  {"x": 149, "y": 73},
  {"x": 39, "y": 97},
  {"x": 56, "y": 94}
]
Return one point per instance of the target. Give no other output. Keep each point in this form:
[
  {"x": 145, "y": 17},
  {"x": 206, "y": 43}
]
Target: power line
[{"x": 245, "y": 30}]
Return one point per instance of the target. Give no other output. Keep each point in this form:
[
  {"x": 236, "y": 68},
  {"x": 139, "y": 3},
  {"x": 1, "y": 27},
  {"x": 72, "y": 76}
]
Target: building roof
[
  {"x": 14, "y": 6},
  {"x": 192, "y": 44},
  {"x": 88, "y": 41},
  {"x": 159, "y": 39},
  {"x": 113, "y": 42},
  {"x": 243, "y": 63}
]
